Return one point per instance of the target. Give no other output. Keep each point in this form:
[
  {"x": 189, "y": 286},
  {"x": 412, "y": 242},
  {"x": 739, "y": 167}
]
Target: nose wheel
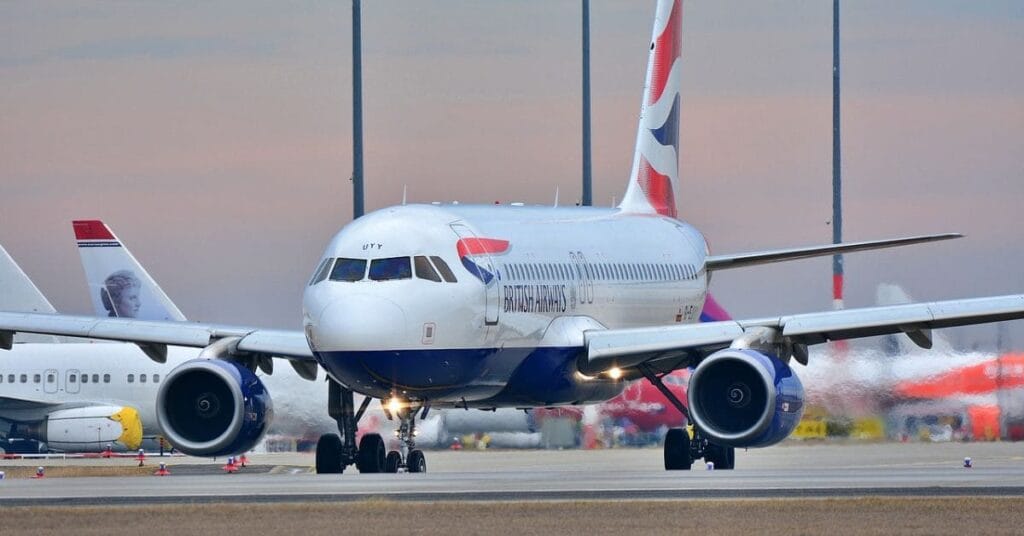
[{"x": 407, "y": 458}]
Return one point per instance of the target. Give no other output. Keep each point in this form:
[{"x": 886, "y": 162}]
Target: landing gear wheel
[
  {"x": 677, "y": 450},
  {"x": 417, "y": 462},
  {"x": 393, "y": 460},
  {"x": 723, "y": 457},
  {"x": 371, "y": 454},
  {"x": 328, "y": 455}
]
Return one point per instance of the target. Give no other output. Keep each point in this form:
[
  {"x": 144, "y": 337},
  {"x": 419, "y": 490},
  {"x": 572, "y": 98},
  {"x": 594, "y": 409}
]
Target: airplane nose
[{"x": 360, "y": 322}]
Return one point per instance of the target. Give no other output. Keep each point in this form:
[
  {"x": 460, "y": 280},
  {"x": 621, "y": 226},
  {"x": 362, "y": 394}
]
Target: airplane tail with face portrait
[
  {"x": 654, "y": 179},
  {"x": 118, "y": 285}
]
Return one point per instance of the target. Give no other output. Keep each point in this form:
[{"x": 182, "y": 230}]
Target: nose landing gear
[{"x": 407, "y": 458}]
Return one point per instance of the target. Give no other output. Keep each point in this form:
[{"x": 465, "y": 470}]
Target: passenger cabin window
[
  {"x": 36, "y": 378},
  {"x": 156, "y": 378},
  {"x": 95, "y": 378},
  {"x": 443, "y": 268},
  {"x": 424, "y": 270},
  {"x": 106, "y": 378},
  {"x": 85, "y": 378},
  {"x": 24, "y": 378},
  {"x": 389, "y": 269},
  {"x": 131, "y": 378},
  {"x": 10, "y": 378},
  {"x": 321, "y": 271},
  {"x": 349, "y": 269},
  {"x": 142, "y": 378}
]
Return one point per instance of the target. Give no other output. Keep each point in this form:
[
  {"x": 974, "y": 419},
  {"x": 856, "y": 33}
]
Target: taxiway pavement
[{"x": 792, "y": 470}]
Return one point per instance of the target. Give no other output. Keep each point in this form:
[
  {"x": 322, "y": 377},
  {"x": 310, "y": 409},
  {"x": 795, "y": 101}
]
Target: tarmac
[{"x": 793, "y": 470}]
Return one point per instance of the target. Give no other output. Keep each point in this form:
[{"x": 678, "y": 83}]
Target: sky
[{"x": 215, "y": 137}]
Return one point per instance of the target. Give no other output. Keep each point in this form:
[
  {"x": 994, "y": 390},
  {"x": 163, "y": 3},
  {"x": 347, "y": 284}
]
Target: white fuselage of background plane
[
  {"x": 37, "y": 378},
  {"x": 563, "y": 271}
]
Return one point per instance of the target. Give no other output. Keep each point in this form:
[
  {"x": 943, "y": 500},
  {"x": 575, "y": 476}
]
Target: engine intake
[
  {"x": 743, "y": 398},
  {"x": 213, "y": 407}
]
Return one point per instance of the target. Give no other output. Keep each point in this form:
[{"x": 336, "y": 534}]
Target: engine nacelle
[
  {"x": 86, "y": 429},
  {"x": 213, "y": 407},
  {"x": 743, "y": 398}
]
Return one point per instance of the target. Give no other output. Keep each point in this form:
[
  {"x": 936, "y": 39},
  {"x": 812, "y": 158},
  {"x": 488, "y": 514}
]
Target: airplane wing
[
  {"x": 722, "y": 262},
  {"x": 669, "y": 347},
  {"x": 153, "y": 336}
]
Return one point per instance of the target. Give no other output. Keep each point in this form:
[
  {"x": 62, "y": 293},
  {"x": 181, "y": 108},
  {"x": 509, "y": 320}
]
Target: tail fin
[
  {"x": 654, "y": 179},
  {"x": 19, "y": 293},
  {"x": 118, "y": 284}
]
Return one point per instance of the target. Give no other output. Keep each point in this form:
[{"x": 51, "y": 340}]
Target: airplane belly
[{"x": 438, "y": 375}]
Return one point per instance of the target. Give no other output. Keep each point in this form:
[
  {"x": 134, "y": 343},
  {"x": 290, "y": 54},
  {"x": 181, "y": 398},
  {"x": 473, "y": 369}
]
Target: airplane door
[
  {"x": 71, "y": 381},
  {"x": 477, "y": 260},
  {"x": 50, "y": 381}
]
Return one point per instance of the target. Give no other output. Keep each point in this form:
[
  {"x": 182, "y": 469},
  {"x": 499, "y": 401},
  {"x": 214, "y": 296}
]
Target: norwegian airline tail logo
[{"x": 480, "y": 248}]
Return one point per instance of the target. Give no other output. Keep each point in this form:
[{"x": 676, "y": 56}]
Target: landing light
[
  {"x": 394, "y": 406},
  {"x": 615, "y": 373}
]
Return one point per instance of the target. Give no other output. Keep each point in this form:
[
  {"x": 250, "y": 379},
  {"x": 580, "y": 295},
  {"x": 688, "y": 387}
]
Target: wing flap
[{"x": 868, "y": 322}]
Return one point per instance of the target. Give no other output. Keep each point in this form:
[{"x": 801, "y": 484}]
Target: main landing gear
[
  {"x": 334, "y": 452},
  {"x": 683, "y": 447}
]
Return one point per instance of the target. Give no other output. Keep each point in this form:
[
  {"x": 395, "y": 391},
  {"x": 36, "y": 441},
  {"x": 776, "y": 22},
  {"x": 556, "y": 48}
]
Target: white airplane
[
  {"x": 433, "y": 306},
  {"x": 50, "y": 394}
]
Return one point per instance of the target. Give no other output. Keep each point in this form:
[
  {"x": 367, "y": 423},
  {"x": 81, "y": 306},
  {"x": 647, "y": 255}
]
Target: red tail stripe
[
  {"x": 91, "y": 230},
  {"x": 667, "y": 47},
  {"x": 657, "y": 188}
]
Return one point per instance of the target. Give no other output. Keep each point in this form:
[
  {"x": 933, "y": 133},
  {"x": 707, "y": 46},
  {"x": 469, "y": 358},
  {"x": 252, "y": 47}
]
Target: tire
[
  {"x": 417, "y": 462},
  {"x": 392, "y": 461},
  {"x": 677, "y": 450},
  {"x": 371, "y": 454},
  {"x": 328, "y": 455},
  {"x": 723, "y": 457}
]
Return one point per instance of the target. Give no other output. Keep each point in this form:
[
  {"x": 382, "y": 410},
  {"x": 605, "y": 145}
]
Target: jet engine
[
  {"x": 85, "y": 429},
  {"x": 743, "y": 398},
  {"x": 213, "y": 407}
]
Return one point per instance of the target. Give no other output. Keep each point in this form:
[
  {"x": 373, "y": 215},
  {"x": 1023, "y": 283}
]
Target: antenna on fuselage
[
  {"x": 405, "y": 190},
  {"x": 556, "y": 196}
]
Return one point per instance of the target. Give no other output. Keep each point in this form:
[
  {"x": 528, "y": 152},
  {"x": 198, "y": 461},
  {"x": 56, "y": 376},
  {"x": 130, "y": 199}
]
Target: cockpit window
[
  {"x": 321, "y": 271},
  {"x": 442, "y": 267},
  {"x": 424, "y": 270},
  {"x": 389, "y": 268},
  {"x": 349, "y": 270}
]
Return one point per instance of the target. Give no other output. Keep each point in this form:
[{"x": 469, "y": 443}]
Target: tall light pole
[
  {"x": 587, "y": 184},
  {"x": 357, "y": 113},
  {"x": 837, "y": 183}
]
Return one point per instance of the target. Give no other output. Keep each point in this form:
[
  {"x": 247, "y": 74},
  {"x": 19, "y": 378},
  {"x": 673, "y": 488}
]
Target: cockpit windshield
[
  {"x": 390, "y": 268},
  {"x": 348, "y": 270}
]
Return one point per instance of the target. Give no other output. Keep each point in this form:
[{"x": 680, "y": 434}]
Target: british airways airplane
[{"x": 440, "y": 306}]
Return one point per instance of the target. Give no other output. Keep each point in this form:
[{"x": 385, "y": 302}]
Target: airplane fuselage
[{"x": 506, "y": 327}]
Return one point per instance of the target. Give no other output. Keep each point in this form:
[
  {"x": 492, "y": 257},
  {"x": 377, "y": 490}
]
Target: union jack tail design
[{"x": 655, "y": 176}]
